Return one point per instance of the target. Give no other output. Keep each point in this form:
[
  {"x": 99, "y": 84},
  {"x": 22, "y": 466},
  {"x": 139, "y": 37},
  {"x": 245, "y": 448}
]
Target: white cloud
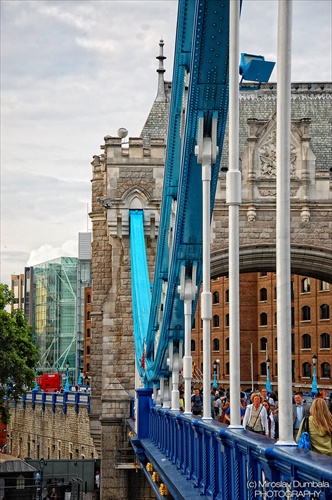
[{"x": 47, "y": 252}]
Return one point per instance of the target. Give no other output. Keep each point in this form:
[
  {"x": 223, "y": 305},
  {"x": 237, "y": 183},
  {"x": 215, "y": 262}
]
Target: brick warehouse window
[
  {"x": 324, "y": 311},
  {"x": 306, "y": 341},
  {"x": 216, "y": 344},
  {"x": 263, "y": 368},
  {"x": 227, "y": 319},
  {"x": 263, "y": 295},
  {"x": 263, "y": 319},
  {"x": 305, "y": 313},
  {"x": 263, "y": 344},
  {"x": 324, "y": 286},
  {"x": 306, "y": 370},
  {"x": 325, "y": 341},
  {"x": 292, "y": 317},
  {"x": 193, "y": 345},
  {"x": 305, "y": 285},
  {"x": 215, "y": 298},
  {"x": 227, "y": 344},
  {"x": 215, "y": 321},
  {"x": 325, "y": 370}
]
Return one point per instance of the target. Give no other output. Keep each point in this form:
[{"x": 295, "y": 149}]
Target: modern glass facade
[{"x": 54, "y": 321}]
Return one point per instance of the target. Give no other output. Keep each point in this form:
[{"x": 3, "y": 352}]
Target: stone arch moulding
[
  {"x": 135, "y": 198},
  {"x": 305, "y": 260}
]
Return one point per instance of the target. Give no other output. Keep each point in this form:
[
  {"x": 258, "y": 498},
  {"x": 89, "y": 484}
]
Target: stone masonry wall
[{"x": 53, "y": 435}]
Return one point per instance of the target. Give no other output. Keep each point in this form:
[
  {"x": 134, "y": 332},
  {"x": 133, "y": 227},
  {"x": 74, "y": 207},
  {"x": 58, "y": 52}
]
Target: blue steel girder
[
  {"x": 207, "y": 97},
  {"x": 182, "y": 53}
]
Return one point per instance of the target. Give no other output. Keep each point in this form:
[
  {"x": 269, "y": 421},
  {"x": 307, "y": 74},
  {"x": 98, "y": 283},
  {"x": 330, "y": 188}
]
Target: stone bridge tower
[{"x": 129, "y": 174}]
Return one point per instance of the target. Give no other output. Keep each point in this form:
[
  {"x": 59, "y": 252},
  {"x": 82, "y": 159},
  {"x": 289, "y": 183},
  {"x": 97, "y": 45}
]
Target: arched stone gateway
[
  {"x": 130, "y": 175},
  {"x": 305, "y": 260}
]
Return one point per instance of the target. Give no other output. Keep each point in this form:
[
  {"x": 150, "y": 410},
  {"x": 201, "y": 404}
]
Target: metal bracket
[{"x": 206, "y": 148}]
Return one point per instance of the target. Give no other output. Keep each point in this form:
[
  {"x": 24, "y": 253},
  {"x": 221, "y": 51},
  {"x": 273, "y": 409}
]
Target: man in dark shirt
[{"x": 197, "y": 403}]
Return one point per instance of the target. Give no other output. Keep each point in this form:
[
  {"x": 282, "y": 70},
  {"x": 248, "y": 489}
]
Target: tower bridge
[
  {"x": 156, "y": 243},
  {"x": 149, "y": 216}
]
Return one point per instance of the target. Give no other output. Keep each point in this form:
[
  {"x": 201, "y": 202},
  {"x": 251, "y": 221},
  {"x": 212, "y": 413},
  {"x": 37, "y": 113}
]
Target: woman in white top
[{"x": 255, "y": 418}]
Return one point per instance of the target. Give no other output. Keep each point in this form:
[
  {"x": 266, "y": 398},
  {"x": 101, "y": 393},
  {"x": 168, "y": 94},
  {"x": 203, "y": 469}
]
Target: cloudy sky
[{"x": 73, "y": 71}]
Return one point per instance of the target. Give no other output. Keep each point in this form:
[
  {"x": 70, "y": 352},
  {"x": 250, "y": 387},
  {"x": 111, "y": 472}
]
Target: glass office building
[
  {"x": 54, "y": 285},
  {"x": 52, "y": 297}
]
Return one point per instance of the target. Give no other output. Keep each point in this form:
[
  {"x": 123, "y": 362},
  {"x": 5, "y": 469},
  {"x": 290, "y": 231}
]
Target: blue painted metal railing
[
  {"x": 78, "y": 399},
  {"x": 203, "y": 458}
]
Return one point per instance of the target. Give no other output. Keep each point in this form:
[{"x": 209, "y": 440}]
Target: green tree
[{"x": 18, "y": 355}]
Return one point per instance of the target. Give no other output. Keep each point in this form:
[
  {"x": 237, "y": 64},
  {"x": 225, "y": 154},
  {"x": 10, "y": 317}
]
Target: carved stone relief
[{"x": 259, "y": 164}]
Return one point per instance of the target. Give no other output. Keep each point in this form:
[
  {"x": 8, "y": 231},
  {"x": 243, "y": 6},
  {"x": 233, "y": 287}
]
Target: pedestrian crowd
[{"x": 259, "y": 414}]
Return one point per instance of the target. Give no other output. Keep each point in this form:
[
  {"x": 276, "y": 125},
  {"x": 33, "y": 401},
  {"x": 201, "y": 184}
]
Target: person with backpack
[
  {"x": 197, "y": 403},
  {"x": 320, "y": 428}
]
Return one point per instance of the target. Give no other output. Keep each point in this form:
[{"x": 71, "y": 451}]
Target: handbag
[
  {"x": 304, "y": 439},
  {"x": 252, "y": 427}
]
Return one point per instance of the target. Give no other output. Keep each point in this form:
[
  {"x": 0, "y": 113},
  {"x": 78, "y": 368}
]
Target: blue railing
[
  {"x": 55, "y": 399},
  {"x": 204, "y": 458}
]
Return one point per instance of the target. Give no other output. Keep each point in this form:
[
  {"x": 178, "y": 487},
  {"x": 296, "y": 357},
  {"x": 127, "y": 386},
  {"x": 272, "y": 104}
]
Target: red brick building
[{"x": 311, "y": 330}]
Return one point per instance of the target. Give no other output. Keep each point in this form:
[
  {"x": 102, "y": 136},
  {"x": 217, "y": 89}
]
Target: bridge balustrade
[
  {"x": 222, "y": 463},
  {"x": 55, "y": 399}
]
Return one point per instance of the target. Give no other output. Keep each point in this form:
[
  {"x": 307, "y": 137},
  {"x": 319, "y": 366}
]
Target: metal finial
[{"x": 161, "y": 95}]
